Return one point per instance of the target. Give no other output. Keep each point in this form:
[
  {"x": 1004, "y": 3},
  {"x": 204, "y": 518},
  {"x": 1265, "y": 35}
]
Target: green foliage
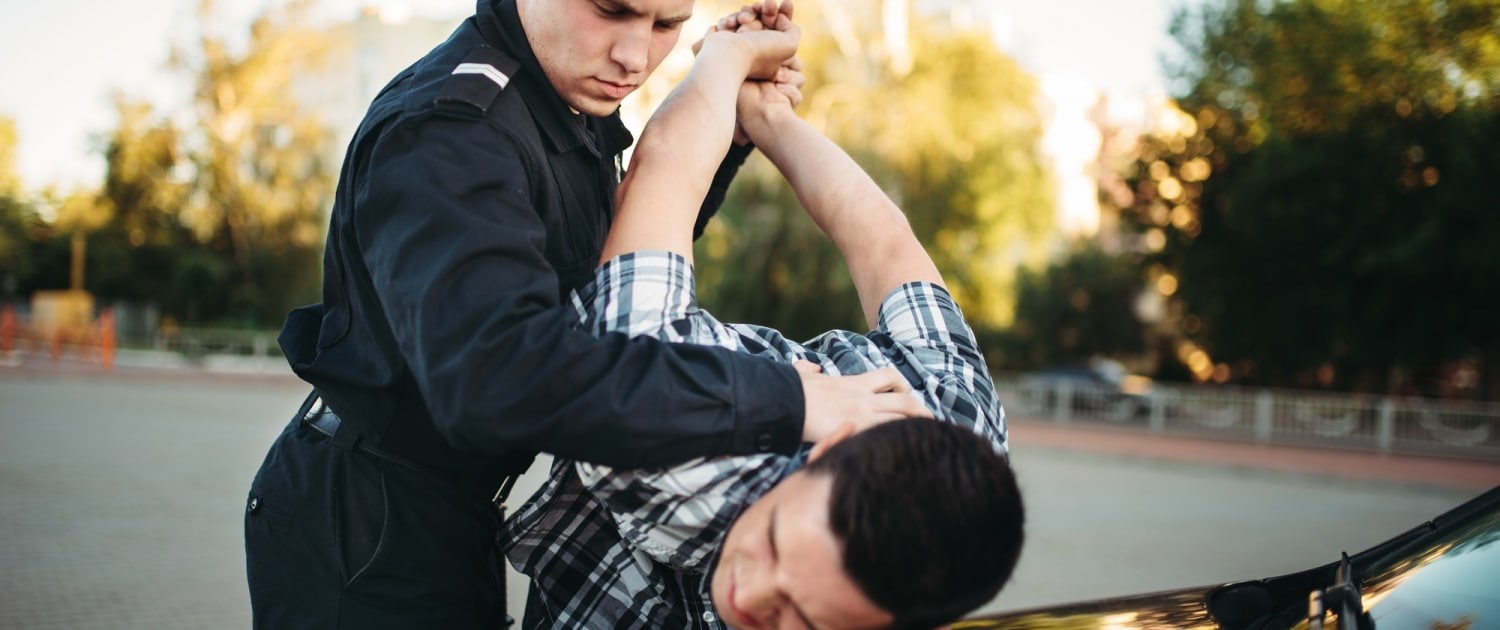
[
  {"x": 260, "y": 184},
  {"x": 1078, "y": 307},
  {"x": 1329, "y": 210},
  {"x": 215, "y": 212},
  {"x": 954, "y": 139},
  {"x": 10, "y": 180},
  {"x": 19, "y": 223}
]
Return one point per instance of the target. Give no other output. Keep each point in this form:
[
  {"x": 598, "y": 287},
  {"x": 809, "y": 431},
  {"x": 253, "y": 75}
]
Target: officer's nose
[{"x": 632, "y": 50}]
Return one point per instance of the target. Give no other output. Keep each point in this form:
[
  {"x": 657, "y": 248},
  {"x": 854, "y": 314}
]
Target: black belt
[{"x": 325, "y": 421}]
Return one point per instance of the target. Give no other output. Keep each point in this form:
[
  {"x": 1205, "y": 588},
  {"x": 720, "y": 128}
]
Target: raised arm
[
  {"x": 866, "y": 226},
  {"x": 674, "y": 161}
]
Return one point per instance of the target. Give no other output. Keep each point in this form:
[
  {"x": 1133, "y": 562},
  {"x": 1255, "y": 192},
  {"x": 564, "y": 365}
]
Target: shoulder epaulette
[{"x": 479, "y": 80}]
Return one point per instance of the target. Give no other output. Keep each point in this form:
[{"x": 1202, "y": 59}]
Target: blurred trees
[
  {"x": 212, "y": 211},
  {"x": 19, "y": 223},
  {"x": 260, "y": 184},
  {"x": 1327, "y": 204},
  {"x": 950, "y": 128},
  {"x": 1080, "y": 306}
]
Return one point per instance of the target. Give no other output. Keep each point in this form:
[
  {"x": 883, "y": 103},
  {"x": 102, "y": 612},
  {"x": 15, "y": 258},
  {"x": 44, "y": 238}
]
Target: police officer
[{"x": 474, "y": 197}]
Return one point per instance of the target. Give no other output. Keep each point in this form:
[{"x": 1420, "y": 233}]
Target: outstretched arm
[
  {"x": 671, "y": 171},
  {"x": 866, "y": 226}
]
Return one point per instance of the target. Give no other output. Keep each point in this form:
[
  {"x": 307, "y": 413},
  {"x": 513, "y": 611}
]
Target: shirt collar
[{"x": 500, "y": 22}]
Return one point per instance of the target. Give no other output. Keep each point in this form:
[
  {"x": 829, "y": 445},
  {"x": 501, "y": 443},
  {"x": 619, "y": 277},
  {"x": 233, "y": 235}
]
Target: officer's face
[
  {"x": 781, "y": 566},
  {"x": 595, "y": 52}
]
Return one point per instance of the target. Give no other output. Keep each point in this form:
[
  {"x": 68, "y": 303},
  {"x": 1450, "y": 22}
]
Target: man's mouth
[{"x": 615, "y": 90}]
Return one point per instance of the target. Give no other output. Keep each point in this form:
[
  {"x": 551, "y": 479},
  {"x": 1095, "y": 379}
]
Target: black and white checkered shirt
[{"x": 633, "y": 549}]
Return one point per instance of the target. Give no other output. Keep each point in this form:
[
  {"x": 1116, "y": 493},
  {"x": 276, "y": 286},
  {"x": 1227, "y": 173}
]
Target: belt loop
[
  {"x": 307, "y": 404},
  {"x": 345, "y": 436}
]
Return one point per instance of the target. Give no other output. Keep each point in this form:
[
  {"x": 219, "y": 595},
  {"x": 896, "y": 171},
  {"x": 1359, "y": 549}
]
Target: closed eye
[
  {"x": 771, "y": 533},
  {"x": 771, "y": 539},
  {"x": 612, "y": 10}
]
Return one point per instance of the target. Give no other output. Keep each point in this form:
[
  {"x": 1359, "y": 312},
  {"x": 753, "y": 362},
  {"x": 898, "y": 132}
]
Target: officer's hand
[{"x": 863, "y": 399}]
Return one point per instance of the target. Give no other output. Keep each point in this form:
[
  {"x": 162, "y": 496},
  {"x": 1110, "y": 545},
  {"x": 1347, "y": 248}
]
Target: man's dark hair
[{"x": 930, "y": 517}]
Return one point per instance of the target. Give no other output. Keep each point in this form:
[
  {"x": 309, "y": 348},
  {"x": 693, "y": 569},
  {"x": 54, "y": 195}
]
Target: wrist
[
  {"x": 761, "y": 123},
  {"x": 721, "y": 50}
]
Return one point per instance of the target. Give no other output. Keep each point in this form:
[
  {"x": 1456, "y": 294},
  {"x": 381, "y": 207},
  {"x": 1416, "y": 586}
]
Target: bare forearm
[
  {"x": 866, "y": 226},
  {"x": 674, "y": 162}
]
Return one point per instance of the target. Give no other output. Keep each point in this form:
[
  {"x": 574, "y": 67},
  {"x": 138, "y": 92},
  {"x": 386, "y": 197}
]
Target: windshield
[{"x": 1451, "y": 581}]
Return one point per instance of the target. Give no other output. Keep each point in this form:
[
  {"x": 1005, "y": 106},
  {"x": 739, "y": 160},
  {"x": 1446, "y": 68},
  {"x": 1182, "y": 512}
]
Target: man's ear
[{"x": 845, "y": 430}]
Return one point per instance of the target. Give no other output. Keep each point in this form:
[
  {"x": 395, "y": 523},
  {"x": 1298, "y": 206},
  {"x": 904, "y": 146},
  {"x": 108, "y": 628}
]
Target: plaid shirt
[{"x": 633, "y": 549}]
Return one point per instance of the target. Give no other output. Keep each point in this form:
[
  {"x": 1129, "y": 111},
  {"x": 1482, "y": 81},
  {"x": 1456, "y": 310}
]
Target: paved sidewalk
[
  {"x": 122, "y": 498},
  {"x": 1407, "y": 470}
]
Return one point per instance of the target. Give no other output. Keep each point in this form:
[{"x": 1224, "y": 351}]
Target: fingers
[
  {"x": 791, "y": 92},
  {"x": 899, "y": 406},
  {"x": 883, "y": 380},
  {"x": 807, "y": 367},
  {"x": 864, "y": 399}
]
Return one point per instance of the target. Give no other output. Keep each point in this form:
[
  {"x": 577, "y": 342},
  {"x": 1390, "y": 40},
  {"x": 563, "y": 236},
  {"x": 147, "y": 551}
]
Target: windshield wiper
[{"x": 1343, "y": 599}]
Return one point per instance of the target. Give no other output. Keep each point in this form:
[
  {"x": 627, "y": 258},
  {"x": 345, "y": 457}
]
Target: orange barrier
[
  {"x": 98, "y": 339},
  {"x": 7, "y": 329},
  {"x": 107, "y": 338}
]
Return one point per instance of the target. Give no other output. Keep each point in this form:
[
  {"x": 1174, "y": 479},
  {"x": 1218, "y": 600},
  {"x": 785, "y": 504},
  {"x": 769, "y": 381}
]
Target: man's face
[
  {"x": 596, "y": 52},
  {"x": 782, "y": 567}
]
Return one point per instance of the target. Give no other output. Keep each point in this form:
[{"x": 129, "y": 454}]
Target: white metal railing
[{"x": 1384, "y": 424}]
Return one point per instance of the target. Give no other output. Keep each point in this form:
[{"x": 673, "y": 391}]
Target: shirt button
[
  {"x": 708, "y": 616},
  {"x": 763, "y": 442},
  {"x": 254, "y": 505}
]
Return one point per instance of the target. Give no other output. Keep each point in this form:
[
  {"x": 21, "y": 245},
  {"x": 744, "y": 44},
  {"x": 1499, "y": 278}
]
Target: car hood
[
  {"x": 1167, "y": 609},
  {"x": 1441, "y": 574}
]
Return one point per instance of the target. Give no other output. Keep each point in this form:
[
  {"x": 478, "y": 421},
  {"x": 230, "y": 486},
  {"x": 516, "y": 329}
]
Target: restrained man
[{"x": 907, "y": 525}]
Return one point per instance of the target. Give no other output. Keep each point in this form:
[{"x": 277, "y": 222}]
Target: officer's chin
[{"x": 596, "y": 107}]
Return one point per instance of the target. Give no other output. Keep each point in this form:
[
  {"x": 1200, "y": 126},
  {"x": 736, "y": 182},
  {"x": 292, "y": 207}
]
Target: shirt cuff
[{"x": 767, "y": 424}]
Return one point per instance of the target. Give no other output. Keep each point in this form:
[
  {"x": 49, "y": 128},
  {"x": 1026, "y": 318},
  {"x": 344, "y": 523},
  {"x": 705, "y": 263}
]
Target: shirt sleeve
[
  {"x": 937, "y": 346},
  {"x": 675, "y": 515},
  {"x": 451, "y": 242}
]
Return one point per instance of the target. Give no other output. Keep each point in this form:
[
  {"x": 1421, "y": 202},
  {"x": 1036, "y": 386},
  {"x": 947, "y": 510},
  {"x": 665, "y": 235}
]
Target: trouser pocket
[{"x": 362, "y": 506}]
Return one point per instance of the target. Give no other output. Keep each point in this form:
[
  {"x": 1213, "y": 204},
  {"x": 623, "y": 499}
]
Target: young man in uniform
[
  {"x": 473, "y": 198},
  {"x": 910, "y": 524}
]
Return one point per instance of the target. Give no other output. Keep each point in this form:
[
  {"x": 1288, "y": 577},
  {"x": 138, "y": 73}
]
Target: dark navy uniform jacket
[{"x": 465, "y": 213}]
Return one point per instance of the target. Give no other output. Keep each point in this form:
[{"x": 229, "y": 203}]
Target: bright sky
[{"x": 59, "y": 61}]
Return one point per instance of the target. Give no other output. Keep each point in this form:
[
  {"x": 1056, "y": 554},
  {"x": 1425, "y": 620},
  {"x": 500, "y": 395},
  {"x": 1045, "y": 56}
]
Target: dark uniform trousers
[{"x": 337, "y": 537}]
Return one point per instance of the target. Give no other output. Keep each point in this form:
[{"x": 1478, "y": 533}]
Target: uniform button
[
  {"x": 254, "y": 505},
  {"x": 659, "y": 588},
  {"x": 763, "y": 442},
  {"x": 708, "y": 616}
]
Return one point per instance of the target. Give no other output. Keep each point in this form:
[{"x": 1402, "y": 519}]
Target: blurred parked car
[
  {"x": 1442, "y": 574},
  {"x": 1099, "y": 388}
]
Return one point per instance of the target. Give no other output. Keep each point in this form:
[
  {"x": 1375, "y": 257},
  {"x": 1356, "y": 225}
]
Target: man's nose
[
  {"x": 632, "y": 50},
  {"x": 759, "y": 599}
]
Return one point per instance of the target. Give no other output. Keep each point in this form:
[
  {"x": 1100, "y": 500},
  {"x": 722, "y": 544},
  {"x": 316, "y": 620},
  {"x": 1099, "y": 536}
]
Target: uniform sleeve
[
  {"x": 455, "y": 251},
  {"x": 929, "y": 331},
  {"x": 676, "y": 515}
]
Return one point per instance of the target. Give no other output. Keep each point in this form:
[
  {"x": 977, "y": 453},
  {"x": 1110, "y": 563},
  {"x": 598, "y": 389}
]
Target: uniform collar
[{"x": 500, "y": 22}]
